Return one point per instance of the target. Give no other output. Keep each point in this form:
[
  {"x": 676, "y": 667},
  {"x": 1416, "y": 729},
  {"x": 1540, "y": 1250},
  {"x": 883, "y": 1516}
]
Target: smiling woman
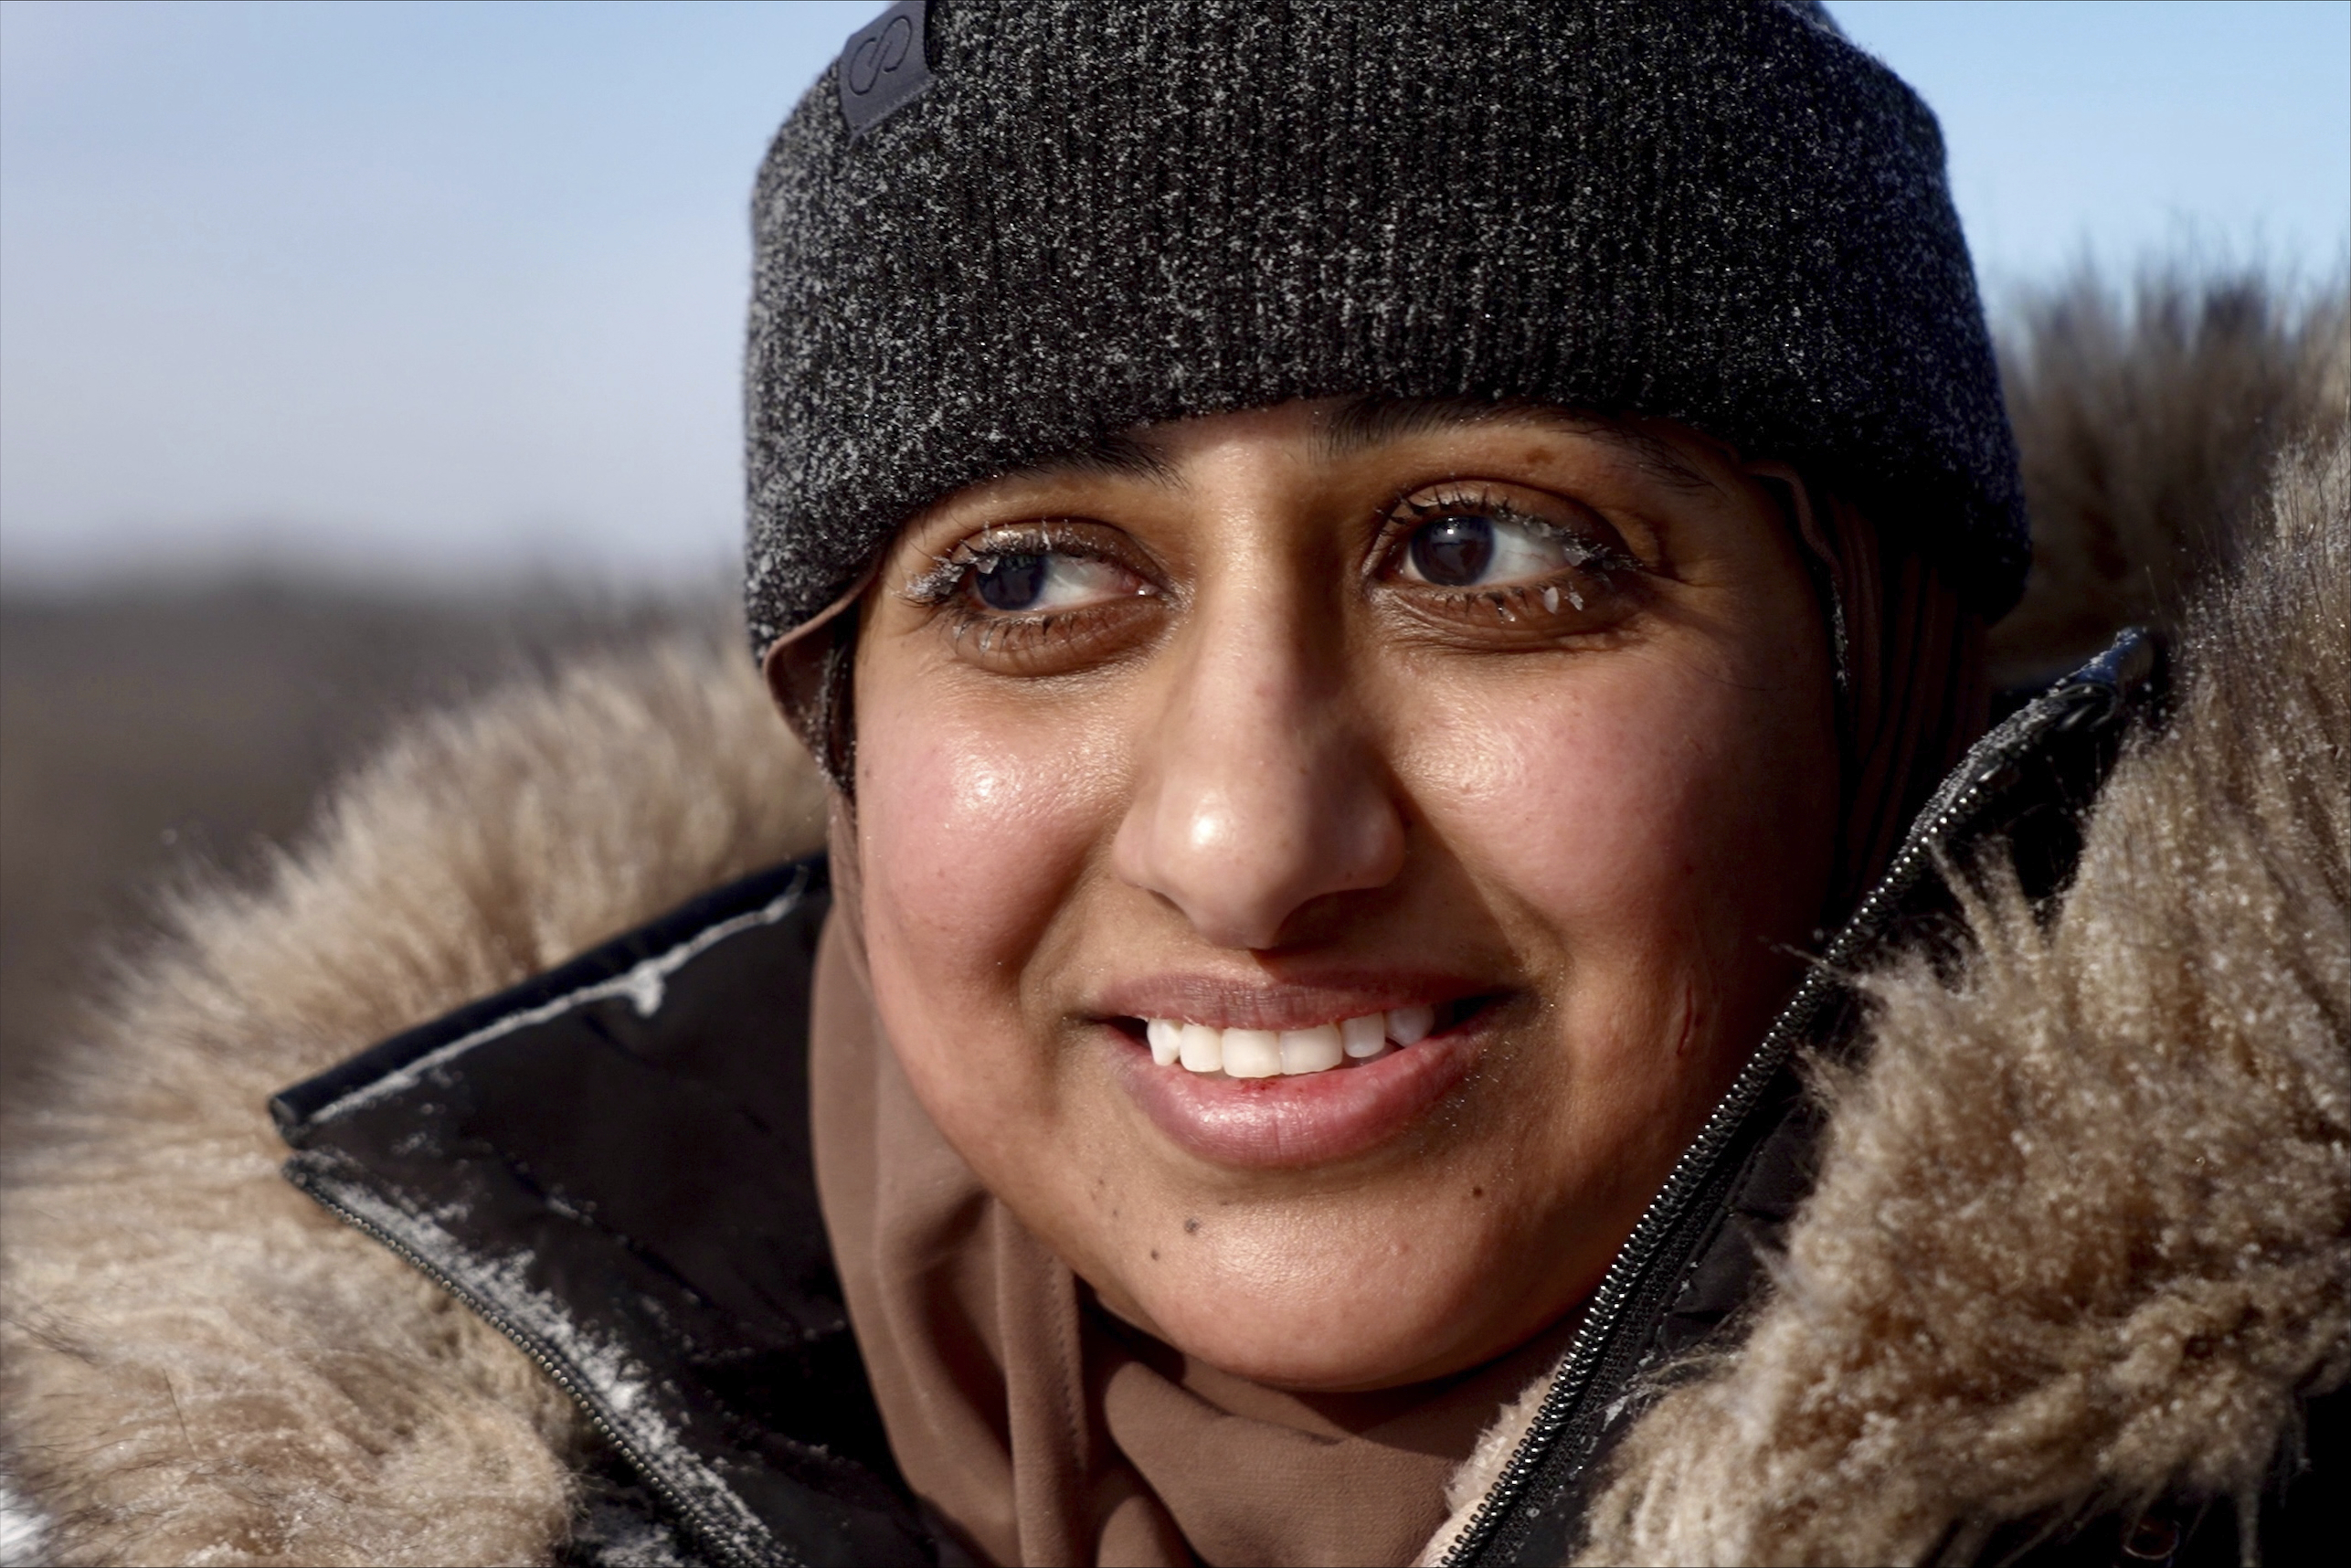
[
  {"x": 1390, "y": 603},
  {"x": 1485, "y": 739}
]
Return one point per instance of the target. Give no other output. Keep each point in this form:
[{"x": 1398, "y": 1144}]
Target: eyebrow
[
  {"x": 1120, "y": 454},
  {"x": 1362, "y": 423}
]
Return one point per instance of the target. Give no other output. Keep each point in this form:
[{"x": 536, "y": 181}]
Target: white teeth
[
  {"x": 1253, "y": 1054},
  {"x": 1266, "y": 1053},
  {"x": 1410, "y": 1025},
  {"x": 1202, "y": 1049},
  {"x": 1551, "y": 600},
  {"x": 1311, "y": 1049}
]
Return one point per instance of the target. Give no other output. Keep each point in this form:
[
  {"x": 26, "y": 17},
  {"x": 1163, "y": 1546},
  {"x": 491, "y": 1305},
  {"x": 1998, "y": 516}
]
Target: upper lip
[{"x": 1223, "y": 1001}]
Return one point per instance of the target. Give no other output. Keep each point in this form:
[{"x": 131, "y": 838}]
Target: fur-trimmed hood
[{"x": 2077, "y": 1241}]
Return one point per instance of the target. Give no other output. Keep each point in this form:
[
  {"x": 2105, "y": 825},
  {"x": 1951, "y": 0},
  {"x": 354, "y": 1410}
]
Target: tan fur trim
[
  {"x": 1469, "y": 1484},
  {"x": 200, "y": 1365},
  {"x": 2080, "y": 1233}
]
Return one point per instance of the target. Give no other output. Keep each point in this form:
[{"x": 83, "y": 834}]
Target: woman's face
[{"x": 1507, "y": 731}]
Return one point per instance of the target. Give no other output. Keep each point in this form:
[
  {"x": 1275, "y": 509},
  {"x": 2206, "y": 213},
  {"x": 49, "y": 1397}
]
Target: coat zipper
[
  {"x": 697, "y": 1520},
  {"x": 1689, "y": 1172}
]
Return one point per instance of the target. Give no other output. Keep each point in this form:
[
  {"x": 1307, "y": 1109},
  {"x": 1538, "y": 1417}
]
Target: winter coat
[{"x": 2026, "y": 1231}]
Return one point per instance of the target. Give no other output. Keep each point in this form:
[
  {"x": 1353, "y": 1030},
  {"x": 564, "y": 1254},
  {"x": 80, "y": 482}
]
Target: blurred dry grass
[
  {"x": 145, "y": 732},
  {"x": 2148, "y": 415}
]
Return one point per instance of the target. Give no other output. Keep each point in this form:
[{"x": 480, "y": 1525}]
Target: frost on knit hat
[{"x": 1091, "y": 216}]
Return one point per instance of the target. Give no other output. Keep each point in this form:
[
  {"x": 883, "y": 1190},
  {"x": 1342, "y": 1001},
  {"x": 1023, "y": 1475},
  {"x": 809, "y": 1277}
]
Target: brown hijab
[{"x": 1039, "y": 1429}]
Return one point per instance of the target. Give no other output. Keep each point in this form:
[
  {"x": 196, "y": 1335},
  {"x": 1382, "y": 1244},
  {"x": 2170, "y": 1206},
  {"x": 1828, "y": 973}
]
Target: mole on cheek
[{"x": 1191, "y": 1226}]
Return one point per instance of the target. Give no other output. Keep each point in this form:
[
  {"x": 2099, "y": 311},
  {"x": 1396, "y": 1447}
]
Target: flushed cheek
[
  {"x": 1636, "y": 837},
  {"x": 967, "y": 841},
  {"x": 1591, "y": 811},
  {"x": 968, "y": 846}
]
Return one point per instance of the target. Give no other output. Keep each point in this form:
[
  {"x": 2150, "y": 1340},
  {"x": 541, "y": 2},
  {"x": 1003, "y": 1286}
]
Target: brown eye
[
  {"x": 1012, "y": 582},
  {"x": 1044, "y": 597},
  {"x": 1045, "y": 582},
  {"x": 1453, "y": 552},
  {"x": 1466, "y": 548}
]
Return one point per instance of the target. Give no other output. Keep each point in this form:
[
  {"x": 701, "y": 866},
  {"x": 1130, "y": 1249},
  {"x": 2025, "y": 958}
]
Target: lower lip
[{"x": 1309, "y": 1119}]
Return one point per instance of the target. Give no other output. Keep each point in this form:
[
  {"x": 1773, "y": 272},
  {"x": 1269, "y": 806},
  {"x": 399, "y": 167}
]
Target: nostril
[
  {"x": 1250, "y": 806},
  {"x": 1240, "y": 878}
]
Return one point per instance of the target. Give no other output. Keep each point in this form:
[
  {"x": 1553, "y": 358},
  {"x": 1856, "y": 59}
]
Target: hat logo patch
[{"x": 881, "y": 67}]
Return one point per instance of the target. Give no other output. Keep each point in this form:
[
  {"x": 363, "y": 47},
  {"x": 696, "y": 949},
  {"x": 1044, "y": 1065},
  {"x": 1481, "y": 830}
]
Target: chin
[
  {"x": 1255, "y": 1305},
  {"x": 1315, "y": 1352}
]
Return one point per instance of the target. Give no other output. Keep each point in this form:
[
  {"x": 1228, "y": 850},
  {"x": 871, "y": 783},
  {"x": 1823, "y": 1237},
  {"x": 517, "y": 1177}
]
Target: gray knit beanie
[{"x": 998, "y": 229}]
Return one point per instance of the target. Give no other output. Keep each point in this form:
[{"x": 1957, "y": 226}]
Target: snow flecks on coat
[{"x": 619, "y": 1385}]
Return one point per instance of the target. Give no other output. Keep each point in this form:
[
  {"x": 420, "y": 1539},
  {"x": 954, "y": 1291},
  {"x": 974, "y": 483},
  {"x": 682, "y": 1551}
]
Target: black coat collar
[{"x": 610, "y": 1163}]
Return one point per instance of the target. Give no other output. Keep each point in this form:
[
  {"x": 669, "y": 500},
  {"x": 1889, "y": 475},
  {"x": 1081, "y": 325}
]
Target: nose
[{"x": 1258, "y": 793}]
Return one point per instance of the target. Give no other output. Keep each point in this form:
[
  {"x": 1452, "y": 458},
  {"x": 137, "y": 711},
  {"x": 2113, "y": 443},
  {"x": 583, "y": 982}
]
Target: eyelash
[
  {"x": 942, "y": 588},
  {"x": 943, "y": 582}
]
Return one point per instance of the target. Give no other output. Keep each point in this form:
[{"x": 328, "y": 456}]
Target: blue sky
[{"x": 444, "y": 290}]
